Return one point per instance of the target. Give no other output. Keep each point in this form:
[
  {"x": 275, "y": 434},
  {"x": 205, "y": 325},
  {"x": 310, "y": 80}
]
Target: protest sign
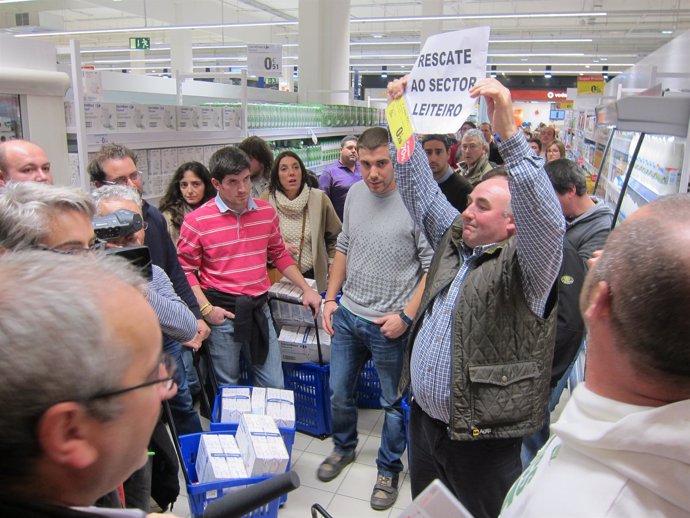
[{"x": 449, "y": 65}]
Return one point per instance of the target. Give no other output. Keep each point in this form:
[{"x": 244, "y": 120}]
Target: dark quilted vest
[{"x": 501, "y": 351}]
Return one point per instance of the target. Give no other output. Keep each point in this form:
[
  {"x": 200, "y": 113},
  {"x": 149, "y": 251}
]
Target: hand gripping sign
[{"x": 437, "y": 94}]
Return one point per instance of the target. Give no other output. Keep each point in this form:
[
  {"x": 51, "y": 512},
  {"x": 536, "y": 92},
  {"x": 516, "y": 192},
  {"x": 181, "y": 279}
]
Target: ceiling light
[
  {"x": 667, "y": 32},
  {"x": 547, "y": 73},
  {"x": 385, "y": 19},
  {"x": 377, "y": 36},
  {"x": 384, "y": 71},
  {"x": 157, "y": 28},
  {"x": 605, "y": 69},
  {"x": 493, "y": 70}
]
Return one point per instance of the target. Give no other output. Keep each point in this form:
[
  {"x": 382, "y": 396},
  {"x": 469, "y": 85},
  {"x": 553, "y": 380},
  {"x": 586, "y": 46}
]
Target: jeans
[
  {"x": 185, "y": 417},
  {"x": 354, "y": 340},
  {"x": 225, "y": 355},
  {"x": 478, "y": 472},
  {"x": 192, "y": 378}
]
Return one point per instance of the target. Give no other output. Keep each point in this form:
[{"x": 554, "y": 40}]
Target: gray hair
[
  {"x": 476, "y": 134},
  {"x": 27, "y": 207},
  {"x": 115, "y": 192},
  {"x": 57, "y": 347}
]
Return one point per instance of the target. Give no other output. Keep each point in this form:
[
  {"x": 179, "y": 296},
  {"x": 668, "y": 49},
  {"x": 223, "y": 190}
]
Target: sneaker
[
  {"x": 333, "y": 465},
  {"x": 385, "y": 492}
]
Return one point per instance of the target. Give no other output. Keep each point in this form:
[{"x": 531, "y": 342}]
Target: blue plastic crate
[
  {"x": 406, "y": 409},
  {"x": 201, "y": 494},
  {"x": 216, "y": 426},
  {"x": 368, "y": 387},
  {"x": 310, "y": 383}
]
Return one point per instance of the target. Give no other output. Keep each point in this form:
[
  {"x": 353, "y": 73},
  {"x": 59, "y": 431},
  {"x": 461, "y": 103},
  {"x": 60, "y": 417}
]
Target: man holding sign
[{"x": 480, "y": 350}]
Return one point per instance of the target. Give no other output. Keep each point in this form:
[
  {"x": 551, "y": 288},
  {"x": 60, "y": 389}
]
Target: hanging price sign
[{"x": 265, "y": 60}]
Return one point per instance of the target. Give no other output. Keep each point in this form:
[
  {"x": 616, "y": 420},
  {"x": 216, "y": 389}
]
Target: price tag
[
  {"x": 401, "y": 129},
  {"x": 590, "y": 85},
  {"x": 265, "y": 60}
]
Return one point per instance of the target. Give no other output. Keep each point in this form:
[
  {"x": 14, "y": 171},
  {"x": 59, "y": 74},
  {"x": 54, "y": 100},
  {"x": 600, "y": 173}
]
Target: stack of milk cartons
[
  {"x": 261, "y": 445},
  {"x": 219, "y": 458},
  {"x": 280, "y": 405},
  {"x": 234, "y": 401},
  {"x": 286, "y": 304},
  {"x": 300, "y": 345}
]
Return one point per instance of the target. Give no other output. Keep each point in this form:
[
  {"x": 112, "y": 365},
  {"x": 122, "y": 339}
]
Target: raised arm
[
  {"x": 539, "y": 222},
  {"x": 420, "y": 193}
]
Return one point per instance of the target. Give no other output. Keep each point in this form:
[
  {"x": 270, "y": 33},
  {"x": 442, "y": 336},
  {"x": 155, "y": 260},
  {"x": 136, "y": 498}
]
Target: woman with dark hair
[
  {"x": 535, "y": 144},
  {"x": 308, "y": 221},
  {"x": 189, "y": 188}
]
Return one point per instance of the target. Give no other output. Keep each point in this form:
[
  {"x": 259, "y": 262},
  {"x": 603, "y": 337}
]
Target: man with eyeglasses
[
  {"x": 177, "y": 321},
  {"x": 115, "y": 164},
  {"x": 475, "y": 156},
  {"x": 23, "y": 161},
  {"x": 35, "y": 215},
  {"x": 78, "y": 407}
]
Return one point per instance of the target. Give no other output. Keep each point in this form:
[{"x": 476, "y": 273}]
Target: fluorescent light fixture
[
  {"x": 156, "y": 28},
  {"x": 547, "y": 73},
  {"x": 546, "y": 40},
  {"x": 493, "y": 70},
  {"x": 605, "y": 70},
  {"x": 212, "y": 47},
  {"x": 241, "y": 25},
  {"x": 115, "y": 61},
  {"x": 384, "y": 71},
  {"x": 13, "y": 1},
  {"x": 667, "y": 32},
  {"x": 536, "y": 54},
  {"x": 385, "y": 19}
]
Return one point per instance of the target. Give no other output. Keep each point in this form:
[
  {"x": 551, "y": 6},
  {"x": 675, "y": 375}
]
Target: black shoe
[{"x": 333, "y": 465}]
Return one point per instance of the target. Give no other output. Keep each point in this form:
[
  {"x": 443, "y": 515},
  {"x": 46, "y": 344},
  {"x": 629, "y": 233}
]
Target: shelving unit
[
  {"x": 166, "y": 136},
  {"x": 647, "y": 152}
]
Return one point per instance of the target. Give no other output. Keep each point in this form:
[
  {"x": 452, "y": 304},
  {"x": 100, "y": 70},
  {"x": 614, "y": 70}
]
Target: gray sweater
[{"x": 386, "y": 253}]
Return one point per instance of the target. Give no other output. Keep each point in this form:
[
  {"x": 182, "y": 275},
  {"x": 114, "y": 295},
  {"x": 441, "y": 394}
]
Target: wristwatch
[{"x": 406, "y": 320}]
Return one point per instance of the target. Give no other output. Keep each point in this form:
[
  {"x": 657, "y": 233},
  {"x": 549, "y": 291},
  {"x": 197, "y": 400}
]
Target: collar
[
  {"x": 222, "y": 207},
  {"x": 345, "y": 168},
  {"x": 445, "y": 177}
]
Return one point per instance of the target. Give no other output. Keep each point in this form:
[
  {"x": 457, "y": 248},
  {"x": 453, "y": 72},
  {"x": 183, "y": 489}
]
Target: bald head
[
  {"x": 646, "y": 267},
  {"x": 23, "y": 161}
]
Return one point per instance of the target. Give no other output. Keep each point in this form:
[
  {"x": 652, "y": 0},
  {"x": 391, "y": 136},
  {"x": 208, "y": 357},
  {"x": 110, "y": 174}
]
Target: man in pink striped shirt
[{"x": 223, "y": 248}]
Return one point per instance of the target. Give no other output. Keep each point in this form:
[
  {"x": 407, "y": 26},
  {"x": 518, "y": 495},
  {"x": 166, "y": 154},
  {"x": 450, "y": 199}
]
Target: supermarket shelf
[
  {"x": 644, "y": 192},
  {"x": 158, "y": 140},
  {"x": 294, "y": 133}
]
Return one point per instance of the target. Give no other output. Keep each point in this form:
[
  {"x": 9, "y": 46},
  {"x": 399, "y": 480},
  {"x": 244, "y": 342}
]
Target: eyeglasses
[
  {"x": 124, "y": 180},
  {"x": 96, "y": 246},
  {"x": 169, "y": 365}
]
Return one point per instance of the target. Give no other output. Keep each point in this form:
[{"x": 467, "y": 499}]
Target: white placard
[
  {"x": 265, "y": 60},
  {"x": 437, "y": 94}
]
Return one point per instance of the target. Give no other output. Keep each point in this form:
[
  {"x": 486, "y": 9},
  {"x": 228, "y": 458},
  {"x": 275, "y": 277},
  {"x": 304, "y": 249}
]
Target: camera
[
  {"x": 117, "y": 224},
  {"x": 122, "y": 223}
]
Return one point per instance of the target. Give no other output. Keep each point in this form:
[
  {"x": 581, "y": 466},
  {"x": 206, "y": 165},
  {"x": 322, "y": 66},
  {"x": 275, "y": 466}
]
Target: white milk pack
[
  {"x": 280, "y": 405},
  {"x": 261, "y": 445},
  {"x": 234, "y": 402},
  {"x": 298, "y": 344},
  {"x": 219, "y": 458}
]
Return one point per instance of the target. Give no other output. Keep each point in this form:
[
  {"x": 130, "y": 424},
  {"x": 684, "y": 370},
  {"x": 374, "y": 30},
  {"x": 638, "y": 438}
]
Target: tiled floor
[{"x": 346, "y": 496}]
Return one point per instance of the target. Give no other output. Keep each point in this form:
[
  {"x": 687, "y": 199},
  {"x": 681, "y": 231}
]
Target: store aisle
[{"x": 346, "y": 496}]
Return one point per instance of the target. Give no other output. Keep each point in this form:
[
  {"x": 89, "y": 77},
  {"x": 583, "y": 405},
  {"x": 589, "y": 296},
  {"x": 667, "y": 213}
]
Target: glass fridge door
[
  {"x": 655, "y": 172},
  {"x": 10, "y": 117}
]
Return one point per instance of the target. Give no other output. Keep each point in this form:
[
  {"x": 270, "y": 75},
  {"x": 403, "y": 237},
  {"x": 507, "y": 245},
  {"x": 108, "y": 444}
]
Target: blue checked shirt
[{"x": 540, "y": 229}]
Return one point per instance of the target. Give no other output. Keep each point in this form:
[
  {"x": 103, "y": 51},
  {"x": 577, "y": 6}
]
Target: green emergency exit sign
[{"x": 140, "y": 43}]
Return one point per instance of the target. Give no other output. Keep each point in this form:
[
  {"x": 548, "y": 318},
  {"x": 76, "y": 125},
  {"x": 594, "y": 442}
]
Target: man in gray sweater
[{"x": 380, "y": 263}]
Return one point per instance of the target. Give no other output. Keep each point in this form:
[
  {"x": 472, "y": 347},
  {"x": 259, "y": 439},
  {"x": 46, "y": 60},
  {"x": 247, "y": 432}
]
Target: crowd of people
[{"x": 470, "y": 286}]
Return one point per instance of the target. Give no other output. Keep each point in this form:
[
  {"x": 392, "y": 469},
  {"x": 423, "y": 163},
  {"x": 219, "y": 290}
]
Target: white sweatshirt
[{"x": 608, "y": 459}]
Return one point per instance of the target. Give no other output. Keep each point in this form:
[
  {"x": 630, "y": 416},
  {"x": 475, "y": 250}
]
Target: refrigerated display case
[{"x": 646, "y": 151}]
